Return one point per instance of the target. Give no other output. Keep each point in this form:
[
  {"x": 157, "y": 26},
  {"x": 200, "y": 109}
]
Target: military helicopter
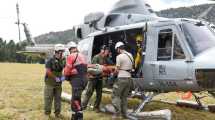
[
  {"x": 33, "y": 49},
  {"x": 42, "y": 50},
  {"x": 170, "y": 54}
]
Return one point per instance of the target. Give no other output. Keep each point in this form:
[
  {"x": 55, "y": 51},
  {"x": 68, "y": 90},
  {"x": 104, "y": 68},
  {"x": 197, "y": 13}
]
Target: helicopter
[
  {"x": 34, "y": 49},
  {"x": 170, "y": 54}
]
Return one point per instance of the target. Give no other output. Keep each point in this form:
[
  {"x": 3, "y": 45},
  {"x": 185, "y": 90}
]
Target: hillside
[
  {"x": 189, "y": 12},
  {"x": 56, "y": 37},
  {"x": 182, "y": 12}
]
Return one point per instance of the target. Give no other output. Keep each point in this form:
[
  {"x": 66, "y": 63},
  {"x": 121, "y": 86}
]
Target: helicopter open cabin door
[{"x": 171, "y": 67}]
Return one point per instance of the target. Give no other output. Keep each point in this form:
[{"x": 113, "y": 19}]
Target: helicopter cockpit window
[
  {"x": 113, "y": 20},
  {"x": 200, "y": 37},
  {"x": 165, "y": 44},
  {"x": 177, "y": 52}
]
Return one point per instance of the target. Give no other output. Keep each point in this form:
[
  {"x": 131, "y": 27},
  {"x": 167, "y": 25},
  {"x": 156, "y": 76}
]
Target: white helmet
[
  {"x": 118, "y": 44},
  {"x": 71, "y": 45},
  {"x": 58, "y": 47}
]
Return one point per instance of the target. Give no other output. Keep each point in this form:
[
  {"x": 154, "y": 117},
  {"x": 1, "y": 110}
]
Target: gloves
[
  {"x": 57, "y": 79},
  {"x": 62, "y": 78}
]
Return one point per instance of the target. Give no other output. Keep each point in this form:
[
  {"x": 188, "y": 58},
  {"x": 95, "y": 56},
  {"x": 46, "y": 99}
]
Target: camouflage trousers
[
  {"x": 52, "y": 92},
  {"x": 120, "y": 93},
  {"x": 93, "y": 84}
]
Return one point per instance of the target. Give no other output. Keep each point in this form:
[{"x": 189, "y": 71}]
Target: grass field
[{"x": 21, "y": 97}]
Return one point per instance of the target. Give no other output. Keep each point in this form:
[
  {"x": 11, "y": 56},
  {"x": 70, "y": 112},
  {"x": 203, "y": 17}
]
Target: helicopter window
[
  {"x": 165, "y": 45},
  {"x": 112, "y": 19},
  {"x": 199, "y": 38},
  {"x": 177, "y": 52}
]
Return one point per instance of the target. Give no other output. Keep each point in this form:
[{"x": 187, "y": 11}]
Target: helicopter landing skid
[{"x": 146, "y": 99}]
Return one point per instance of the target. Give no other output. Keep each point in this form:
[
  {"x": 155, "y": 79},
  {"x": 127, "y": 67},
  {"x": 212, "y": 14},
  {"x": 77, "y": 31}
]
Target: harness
[
  {"x": 132, "y": 62},
  {"x": 81, "y": 68},
  {"x": 57, "y": 65},
  {"x": 75, "y": 59}
]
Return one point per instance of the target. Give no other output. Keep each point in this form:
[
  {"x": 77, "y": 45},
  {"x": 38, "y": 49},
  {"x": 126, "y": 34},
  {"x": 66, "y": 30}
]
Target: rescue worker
[
  {"x": 95, "y": 82},
  {"x": 53, "y": 81},
  {"x": 76, "y": 72},
  {"x": 124, "y": 65},
  {"x": 139, "y": 57}
]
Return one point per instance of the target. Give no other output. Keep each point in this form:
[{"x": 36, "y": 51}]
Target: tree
[{"x": 11, "y": 51}]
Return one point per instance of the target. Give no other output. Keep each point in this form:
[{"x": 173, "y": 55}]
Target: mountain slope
[
  {"x": 56, "y": 37},
  {"x": 189, "y": 12}
]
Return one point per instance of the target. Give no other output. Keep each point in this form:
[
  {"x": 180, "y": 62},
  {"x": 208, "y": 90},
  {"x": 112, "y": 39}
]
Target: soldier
[
  {"x": 95, "y": 82},
  {"x": 76, "y": 72},
  {"x": 53, "y": 81},
  {"x": 124, "y": 65}
]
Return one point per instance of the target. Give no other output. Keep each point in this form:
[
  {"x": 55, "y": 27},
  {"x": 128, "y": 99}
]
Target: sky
[{"x": 44, "y": 16}]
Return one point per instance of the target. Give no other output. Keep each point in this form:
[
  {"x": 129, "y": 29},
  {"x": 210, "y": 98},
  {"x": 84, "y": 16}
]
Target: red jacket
[{"x": 73, "y": 60}]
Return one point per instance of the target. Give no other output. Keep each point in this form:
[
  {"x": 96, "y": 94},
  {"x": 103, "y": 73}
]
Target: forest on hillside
[{"x": 190, "y": 12}]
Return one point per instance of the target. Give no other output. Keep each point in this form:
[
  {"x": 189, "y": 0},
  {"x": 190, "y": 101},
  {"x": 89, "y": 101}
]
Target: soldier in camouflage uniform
[
  {"x": 95, "y": 82},
  {"x": 53, "y": 81},
  {"x": 124, "y": 64}
]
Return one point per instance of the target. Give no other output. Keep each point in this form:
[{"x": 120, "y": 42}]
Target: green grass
[{"x": 21, "y": 97}]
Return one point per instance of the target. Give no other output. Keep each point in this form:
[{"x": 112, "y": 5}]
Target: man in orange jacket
[{"x": 76, "y": 72}]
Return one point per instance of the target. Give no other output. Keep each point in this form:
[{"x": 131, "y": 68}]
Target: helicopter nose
[
  {"x": 204, "y": 65},
  {"x": 206, "y": 59}
]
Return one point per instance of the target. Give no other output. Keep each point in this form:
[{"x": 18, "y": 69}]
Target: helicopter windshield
[{"x": 199, "y": 36}]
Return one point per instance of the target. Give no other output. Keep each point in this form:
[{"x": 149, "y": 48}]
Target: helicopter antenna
[{"x": 18, "y": 20}]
